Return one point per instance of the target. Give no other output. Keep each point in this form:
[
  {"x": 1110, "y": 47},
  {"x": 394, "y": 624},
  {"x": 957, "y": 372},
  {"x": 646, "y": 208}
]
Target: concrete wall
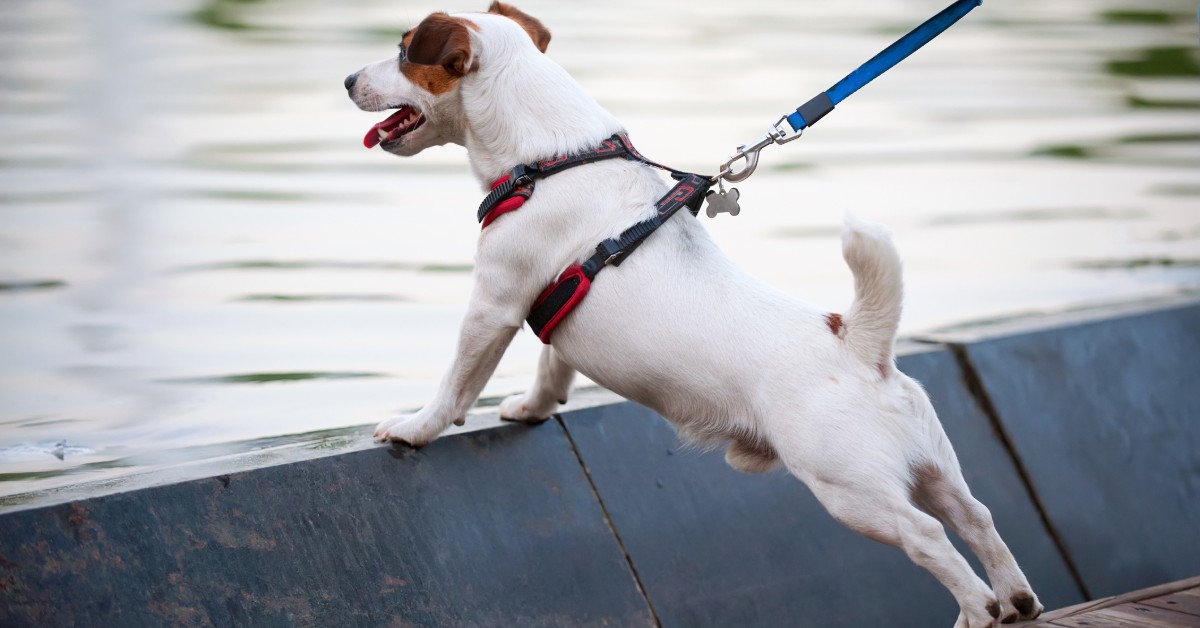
[{"x": 1081, "y": 435}]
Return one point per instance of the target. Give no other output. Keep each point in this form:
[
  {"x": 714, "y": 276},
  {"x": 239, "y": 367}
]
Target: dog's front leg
[
  {"x": 549, "y": 390},
  {"x": 488, "y": 327}
]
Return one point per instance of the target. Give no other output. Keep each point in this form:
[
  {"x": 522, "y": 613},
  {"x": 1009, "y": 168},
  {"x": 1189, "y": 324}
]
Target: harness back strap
[{"x": 511, "y": 191}]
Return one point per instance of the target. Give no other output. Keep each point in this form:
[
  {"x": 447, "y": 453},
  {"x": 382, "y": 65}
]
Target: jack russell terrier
[{"x": 677, "y": 326}]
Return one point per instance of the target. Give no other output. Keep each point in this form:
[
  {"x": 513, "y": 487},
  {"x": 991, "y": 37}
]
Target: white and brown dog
[{"x": 678, "y": 327}]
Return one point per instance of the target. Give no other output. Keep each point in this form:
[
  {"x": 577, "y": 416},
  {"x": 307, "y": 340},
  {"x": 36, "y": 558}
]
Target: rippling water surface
[{"x": 198, "y": 258}]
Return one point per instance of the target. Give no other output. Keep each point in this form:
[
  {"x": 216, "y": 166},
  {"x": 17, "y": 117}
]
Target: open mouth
[{"x": 406, "y": 120}]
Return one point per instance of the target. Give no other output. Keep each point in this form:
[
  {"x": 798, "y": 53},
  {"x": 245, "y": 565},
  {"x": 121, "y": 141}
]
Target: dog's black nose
[{"x": 350, "y": 81}]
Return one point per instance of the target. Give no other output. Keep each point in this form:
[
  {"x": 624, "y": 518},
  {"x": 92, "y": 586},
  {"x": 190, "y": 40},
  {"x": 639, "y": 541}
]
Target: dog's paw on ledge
[{"x": 520, "y": 408}]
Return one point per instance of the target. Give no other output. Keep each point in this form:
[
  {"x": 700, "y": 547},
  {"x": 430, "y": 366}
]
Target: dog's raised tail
[{"x": 871, "y": 322}]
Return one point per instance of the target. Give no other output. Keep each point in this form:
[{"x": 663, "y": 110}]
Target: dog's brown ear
[
  {"x": 537, "y": 31},
  {"x": 442, "y": 40}
]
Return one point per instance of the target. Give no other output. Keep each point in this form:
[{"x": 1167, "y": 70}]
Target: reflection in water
[
  {"x": 26, "y": 286},
  {"x": 185, "y": 194},
  {"x": 1158, "y": 62},
  {"x": 264, "y": 378}
]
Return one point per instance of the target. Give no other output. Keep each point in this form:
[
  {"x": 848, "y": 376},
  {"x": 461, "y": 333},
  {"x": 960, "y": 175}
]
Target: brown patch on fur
[
  {"x": 993, "y": 609},
  {"x": 439, "y": 52},
  {"x": 537, "y": 31},
  {"x": 1010, "y": 619},
  {"x": 834, "y": 321},
  {"x": 883, "y": 369}
]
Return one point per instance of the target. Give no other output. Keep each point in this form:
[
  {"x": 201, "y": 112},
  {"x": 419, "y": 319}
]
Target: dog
[{"x": 678, "y": 327}]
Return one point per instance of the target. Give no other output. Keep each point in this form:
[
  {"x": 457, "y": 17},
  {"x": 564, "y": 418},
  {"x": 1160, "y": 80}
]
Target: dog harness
[{"x": 510, "y": 192}]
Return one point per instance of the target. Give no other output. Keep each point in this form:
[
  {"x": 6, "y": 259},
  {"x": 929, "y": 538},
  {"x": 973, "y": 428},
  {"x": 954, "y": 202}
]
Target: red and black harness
[{"x": 511, "y": 191}]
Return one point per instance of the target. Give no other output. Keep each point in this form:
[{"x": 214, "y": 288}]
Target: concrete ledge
[
  {"x": 1105, "y": 418},
  {"x": 491, "y": 528},
  {"x": 1081, "y": 436}
]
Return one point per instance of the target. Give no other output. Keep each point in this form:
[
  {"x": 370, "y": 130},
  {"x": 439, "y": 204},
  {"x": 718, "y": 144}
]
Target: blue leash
[
  {"x": 816, "y": 108},
  {"x": 807, "y": 114}
]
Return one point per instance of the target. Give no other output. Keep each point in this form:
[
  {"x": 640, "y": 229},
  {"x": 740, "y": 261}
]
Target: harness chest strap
[{"x": 561, "y": 297}]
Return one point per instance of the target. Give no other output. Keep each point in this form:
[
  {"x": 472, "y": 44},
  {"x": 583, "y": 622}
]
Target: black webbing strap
[
  {"x": 559, "y": 298},
  {"x": 521, "y": 179},
  {"x": 547, "y": 310},
  {"x": 689, "y": 192}
]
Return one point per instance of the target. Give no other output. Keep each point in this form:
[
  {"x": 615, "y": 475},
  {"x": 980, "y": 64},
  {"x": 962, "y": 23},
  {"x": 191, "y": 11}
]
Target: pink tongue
[{"x": 371, "y": 139}]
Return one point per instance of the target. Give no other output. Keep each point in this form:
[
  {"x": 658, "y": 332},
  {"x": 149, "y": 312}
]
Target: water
[{"x": 198, "y": 258}]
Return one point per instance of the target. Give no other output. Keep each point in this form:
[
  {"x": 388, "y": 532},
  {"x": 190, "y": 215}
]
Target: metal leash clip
[
  {"x": 722, "y": 202},
  {"x": 775, "y": 135},
  {"x": 817, "y": 107}
]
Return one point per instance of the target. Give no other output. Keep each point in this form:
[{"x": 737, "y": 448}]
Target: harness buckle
[
  {"x": 522, "y": 174},
  {"x": 611, "y": 250}
]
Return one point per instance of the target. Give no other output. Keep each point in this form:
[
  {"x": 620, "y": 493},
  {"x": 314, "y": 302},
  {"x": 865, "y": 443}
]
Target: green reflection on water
[
  {"x": 1106, "y": 147},
  {"x": 1137, "y": 16},
  {"x": 1158, "y": 138},
  {"x": 1177, "y": 190},
  {"x": 1138, "y": 262},
  {"x": 1158, "y": 62},
  {"x": 30, "y": 286},
  {"x": 1066, "y": 151},
  {"x": 1138, "y": 102},
  {"x": 225, "y": 14},
  {"x": 75, "y": 469},
  {"x": 264, "y": 378}
]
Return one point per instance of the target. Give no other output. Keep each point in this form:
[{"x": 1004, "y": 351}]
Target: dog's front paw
[
  {"x": 417, "y": 429},
  {"x": 521, "y": 408}
]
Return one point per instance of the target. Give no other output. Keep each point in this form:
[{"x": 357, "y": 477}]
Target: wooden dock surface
[{"x": 1171, "y": 605}]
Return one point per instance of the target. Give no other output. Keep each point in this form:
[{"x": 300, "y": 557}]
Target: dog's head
[{"x": 422, "y": 84}]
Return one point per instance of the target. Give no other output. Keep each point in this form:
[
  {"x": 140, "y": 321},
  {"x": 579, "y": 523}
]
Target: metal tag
[{"x": 723, "y": 202}]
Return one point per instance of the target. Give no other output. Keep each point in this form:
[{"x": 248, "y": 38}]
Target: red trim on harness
[
  {"x": 503, "y": 207},
  {"x": 509, "y": 204},
  {"x": 572, "y": 273}
]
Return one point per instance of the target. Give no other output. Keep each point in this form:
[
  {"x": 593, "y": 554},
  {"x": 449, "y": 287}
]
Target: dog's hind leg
[
  {"x": 882, "y": 511},
  {"x": 550, "y": 388},
  {"x": 944, "y": 493}
]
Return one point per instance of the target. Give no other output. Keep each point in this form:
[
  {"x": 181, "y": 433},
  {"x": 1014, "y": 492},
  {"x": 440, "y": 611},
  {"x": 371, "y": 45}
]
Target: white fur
[{"x": 681, "y": 329}]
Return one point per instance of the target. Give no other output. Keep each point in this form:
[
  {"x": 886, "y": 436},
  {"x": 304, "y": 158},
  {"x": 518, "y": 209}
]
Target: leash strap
[
  {"x": 810, "y": 112},
  {"x": 818, "y": 106}
]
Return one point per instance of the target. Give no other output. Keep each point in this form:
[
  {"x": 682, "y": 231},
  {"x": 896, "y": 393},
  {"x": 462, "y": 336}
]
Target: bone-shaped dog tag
[{"x": 723, "y": 202}]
